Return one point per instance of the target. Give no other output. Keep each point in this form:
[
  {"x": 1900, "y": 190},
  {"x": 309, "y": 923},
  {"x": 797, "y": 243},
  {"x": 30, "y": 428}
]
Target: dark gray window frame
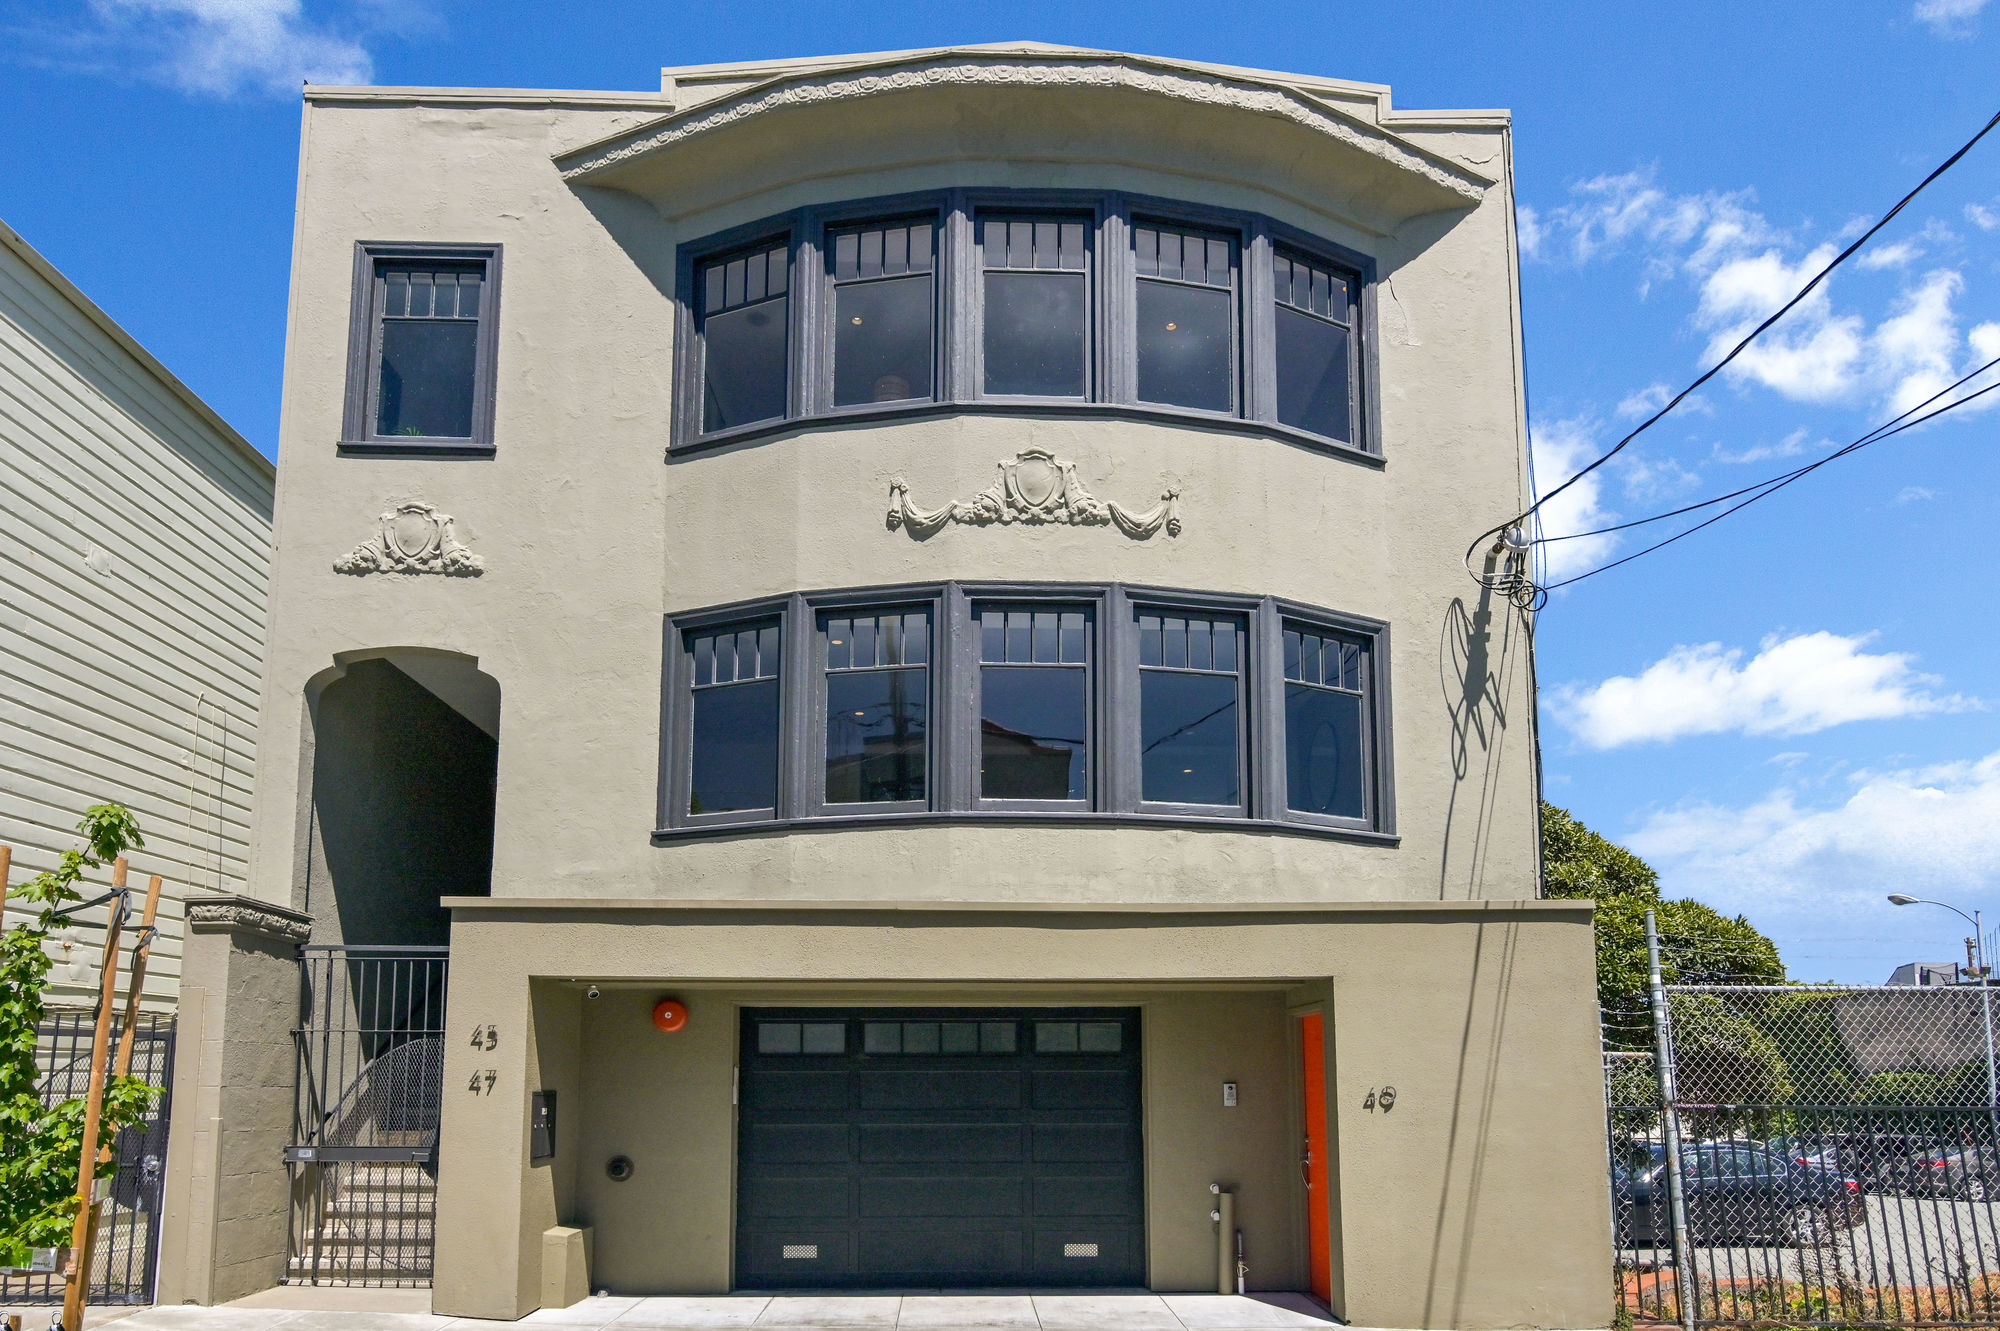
[
  {"x": 364, "y": 337},
  {"x": 959, "y": 290},
  {"x": 954, "y": 683},
  {"x": 1248, "y": 739}
]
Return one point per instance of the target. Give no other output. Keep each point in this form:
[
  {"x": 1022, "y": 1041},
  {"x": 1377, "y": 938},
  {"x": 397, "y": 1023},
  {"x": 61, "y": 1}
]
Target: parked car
[
  {"x": 1969, "y": 1175},
  {"x": 1733, "y": 1192},
  {"x": 1881, "y": 1162}
]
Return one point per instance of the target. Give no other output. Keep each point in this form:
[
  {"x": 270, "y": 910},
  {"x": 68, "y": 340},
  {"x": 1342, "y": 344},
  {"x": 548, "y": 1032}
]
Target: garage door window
[
  {"x": 794, "y": 1037},
  {"x": 1079, "y": 1037},
  {"x": 938, "y": 1037}
]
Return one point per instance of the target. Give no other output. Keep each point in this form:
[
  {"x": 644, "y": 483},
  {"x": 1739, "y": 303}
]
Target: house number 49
[{"x": 1384, "y": 1099}]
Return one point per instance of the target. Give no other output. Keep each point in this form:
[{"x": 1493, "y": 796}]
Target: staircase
[{"x": 366, "y": 1223}]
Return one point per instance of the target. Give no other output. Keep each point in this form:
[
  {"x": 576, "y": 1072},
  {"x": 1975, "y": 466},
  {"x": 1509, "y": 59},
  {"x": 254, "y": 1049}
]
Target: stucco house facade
[
  {"x": 135, "y": 549},
  {"x": 903, "y": 618}
]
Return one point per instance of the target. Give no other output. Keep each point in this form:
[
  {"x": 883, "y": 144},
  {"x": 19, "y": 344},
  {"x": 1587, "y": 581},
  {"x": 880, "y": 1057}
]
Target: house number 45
[
  {"x": 1384, "y": 1099},
  {"x": 486, "y": 1037}
]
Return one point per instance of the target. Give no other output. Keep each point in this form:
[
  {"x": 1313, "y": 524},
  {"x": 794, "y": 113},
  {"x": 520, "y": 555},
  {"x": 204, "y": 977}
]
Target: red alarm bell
[{"x": 670, "y": 1014}]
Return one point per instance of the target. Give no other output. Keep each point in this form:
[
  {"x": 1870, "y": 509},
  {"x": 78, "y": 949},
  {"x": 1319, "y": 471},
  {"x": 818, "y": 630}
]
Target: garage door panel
[
  {"x": 789, "y": 1196},
  {"x": 942, "y": 1257},
  {"x": 797, "y": 1143},
  {"x": 1057, "y": 1143},
  {"x": 882, "y": 1154},
  {"x": 942, "y": 1196},
  {"x": 957, "y": 1142},
  {"x": 1110, "y": 1195},
  {"x": 799, "y": 1091},
  {"x": 959, "y": 1087},
  {"x": 1079, "y": 1088}
]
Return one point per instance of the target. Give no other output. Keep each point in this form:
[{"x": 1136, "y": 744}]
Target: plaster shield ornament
[
  {"x": 1035, "y": 487},
  {"x": 412, "y": 537}
]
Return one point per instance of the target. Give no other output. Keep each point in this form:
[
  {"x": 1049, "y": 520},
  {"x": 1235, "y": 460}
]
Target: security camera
[{"x": 590, "y": 992}]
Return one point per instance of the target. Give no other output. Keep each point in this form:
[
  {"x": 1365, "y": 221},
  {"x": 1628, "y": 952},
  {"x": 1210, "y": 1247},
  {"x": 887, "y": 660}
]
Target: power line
[
  {"x": 1752, "y": 336},
  {"x": 1879, "y": 433},
  {"x": 1863, "y": 442}
]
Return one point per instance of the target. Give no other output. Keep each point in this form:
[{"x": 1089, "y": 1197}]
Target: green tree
[
  {"x": 1699, "y": 944},
  {"x": 40, "y": 1144}
]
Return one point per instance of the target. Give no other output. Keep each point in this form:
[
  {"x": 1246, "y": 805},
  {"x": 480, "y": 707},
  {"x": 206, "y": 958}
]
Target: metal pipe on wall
[{"x": 1226, "y": 1242}]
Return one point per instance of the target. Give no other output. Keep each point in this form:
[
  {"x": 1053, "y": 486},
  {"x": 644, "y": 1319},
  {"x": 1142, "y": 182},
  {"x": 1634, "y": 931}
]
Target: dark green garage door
[{"x": 943, "y": 1148}]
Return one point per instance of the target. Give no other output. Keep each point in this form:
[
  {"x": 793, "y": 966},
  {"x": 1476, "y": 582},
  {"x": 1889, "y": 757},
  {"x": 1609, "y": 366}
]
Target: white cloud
[
  {"x": 1562, "y": 448},
  {"x": 1899, "y": 255},
  {"x": 1986, "y": 219},
  {"x": 224, "y": 47},
  {"x": 1949, "y": 18},
  {"x": 1915, "y": 494},
  {"x": 1644, "y": 402},
  {"x": 1528, "y": 229},
  {"x": 1923, "y": 829},
  {"x": 1793, "y": 445},
  {"x": 1793, "y": 686}
]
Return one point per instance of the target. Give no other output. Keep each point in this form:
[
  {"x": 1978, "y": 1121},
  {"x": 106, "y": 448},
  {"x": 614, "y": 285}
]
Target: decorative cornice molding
[
  {"x": 412, "y": 537},
  {"x": 248, "y": 915},
  {"x": 1035, "y": 487},
  {"x": 1049, "y": 72}
]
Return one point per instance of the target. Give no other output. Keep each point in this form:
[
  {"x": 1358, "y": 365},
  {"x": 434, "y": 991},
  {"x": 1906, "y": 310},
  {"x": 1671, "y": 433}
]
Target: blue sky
[{"x": 1790, "y": 714}]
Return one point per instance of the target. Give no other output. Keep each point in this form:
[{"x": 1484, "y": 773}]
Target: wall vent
[
  {"x": 810, "y": 1250},
  {"x": 1079, "y": 1250}
]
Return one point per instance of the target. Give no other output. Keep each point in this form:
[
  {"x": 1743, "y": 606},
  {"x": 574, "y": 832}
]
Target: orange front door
[{"x": 1313, "y": 1160}]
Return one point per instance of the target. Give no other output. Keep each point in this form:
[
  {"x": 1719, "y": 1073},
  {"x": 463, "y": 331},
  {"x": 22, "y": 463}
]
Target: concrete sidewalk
[{"x": 296, "y": 1308}]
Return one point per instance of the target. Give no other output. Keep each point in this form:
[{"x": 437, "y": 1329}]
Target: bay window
[
  {"x": 1026, "y": 701},
  {"x": 1049, "y": 300}
]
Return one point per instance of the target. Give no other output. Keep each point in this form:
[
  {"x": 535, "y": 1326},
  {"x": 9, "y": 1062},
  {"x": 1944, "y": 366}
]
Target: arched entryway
[{"x": 406, "y": 746}]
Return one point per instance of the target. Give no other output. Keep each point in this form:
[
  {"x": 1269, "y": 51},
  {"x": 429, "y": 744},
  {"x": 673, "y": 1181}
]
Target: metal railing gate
[
  {"x": 127, "y": 1252},
  {"x": 363, "y": 1158}
]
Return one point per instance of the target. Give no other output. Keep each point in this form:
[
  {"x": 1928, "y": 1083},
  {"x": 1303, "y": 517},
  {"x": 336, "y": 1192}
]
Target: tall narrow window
[
  {"x": 430, "y": 351},
  {"x": 734, "y": 765},
  {"x": 1037, "y": 306},
  {"x": 1324, "y": 770},
  {"x": 877, "y": 706},
  {"x": 882, "y": 313},
  {"x": 1190, "y": 709},
  {"x": 1034, "y": 703},
  {"x": 1315, "y": 332},
  {"x": 1187, "y": 318},
  {"x": 745, "y": 312}
]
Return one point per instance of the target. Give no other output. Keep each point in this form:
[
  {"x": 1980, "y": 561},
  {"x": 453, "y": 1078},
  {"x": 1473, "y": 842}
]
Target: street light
[{"x": 1985, "y": 999}]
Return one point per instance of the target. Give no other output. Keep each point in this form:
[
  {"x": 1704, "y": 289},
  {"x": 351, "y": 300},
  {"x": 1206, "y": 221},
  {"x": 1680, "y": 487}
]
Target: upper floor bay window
[
  {"x": 968, "y": 700},
  {"x": 421, "y": 344},
  {"x": 1040, "y": 300}
]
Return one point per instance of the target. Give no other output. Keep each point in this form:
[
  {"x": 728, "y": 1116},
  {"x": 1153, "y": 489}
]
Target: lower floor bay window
[{"x": 1025, "y": 701}]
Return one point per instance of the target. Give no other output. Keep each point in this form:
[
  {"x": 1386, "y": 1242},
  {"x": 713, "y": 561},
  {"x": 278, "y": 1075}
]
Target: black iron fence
[
  {"x": 127, "y": 1250},
  {"x": 1800, "y": 1155},
  {"x": 370, "y": 1084}
]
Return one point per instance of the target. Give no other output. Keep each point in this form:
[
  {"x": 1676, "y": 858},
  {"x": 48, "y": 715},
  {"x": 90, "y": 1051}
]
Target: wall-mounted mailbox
[{"x": 541, "y": 1127}]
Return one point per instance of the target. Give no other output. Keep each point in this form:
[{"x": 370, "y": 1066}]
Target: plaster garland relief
[
  {"x": 412, "y": 537},
  {"x": 1035, "y": 487},
  {"x": 244, "y": 915}
]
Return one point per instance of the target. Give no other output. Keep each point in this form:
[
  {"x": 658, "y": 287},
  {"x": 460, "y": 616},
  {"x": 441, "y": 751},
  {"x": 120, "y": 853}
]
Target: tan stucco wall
[
  {"x": 1479, "y": 1201},
  {"x": 589, "y": 536}
]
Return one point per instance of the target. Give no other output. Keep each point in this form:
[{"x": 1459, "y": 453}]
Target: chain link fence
[{"x": 1808, "y": 1155}]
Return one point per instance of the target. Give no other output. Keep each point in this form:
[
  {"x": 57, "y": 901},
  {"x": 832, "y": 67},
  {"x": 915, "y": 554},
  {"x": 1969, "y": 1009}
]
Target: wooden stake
[
  {"x": 76, "y": 1281},
  {"x": 6, "y": 872},
  {"x": 142, "y": 953}
]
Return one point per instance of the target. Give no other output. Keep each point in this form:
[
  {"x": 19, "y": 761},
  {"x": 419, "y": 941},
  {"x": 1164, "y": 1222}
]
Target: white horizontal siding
[{"x": 133, "y": 570}]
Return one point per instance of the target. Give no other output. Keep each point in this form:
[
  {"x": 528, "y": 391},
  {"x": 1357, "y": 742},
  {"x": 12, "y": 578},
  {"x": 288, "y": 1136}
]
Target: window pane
[
  {"x": 1071, "y": 648},
  {"x": 1188, "y": 740},
  {"x": 882, "y": 1037},
  {"x": 1034, "y": 727},
  {"x": 1184, "y": 335},
  {"x": 958, "y": 1037},
  {"x": 1312, "y": 375},
  {"x": 1035, "y": 334},
  {"x": 1323, "y": 772},
  {"x": 920, "y": 1037},
  {"x": 777, "y": 1037},
  {"x": 743, "y": 365},
  {"x": 735, "y": 760},
  {"x": 1055, "y": 1037},
  {"x": 876, "y": 722},
  {"x": 997, "y": 1037},
  {"x": 425, "y": 386},
  {"x": 993, "y": 635},
  {"x": 823, "y": 1037},
  {"x": 1100, "y": 1037},
  {"x": 882, "y": 338},
  {"x": 1045, "y": 636}
]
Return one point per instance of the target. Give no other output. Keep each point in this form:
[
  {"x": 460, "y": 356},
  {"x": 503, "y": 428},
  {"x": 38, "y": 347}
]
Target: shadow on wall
[
  {"x": 1475, "y": 673},
  {"x": 402, "y": 793}
]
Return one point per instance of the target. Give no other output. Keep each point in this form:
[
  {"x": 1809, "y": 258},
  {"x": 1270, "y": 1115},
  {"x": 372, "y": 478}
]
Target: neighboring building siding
[{"x": 133, "y": 569}]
